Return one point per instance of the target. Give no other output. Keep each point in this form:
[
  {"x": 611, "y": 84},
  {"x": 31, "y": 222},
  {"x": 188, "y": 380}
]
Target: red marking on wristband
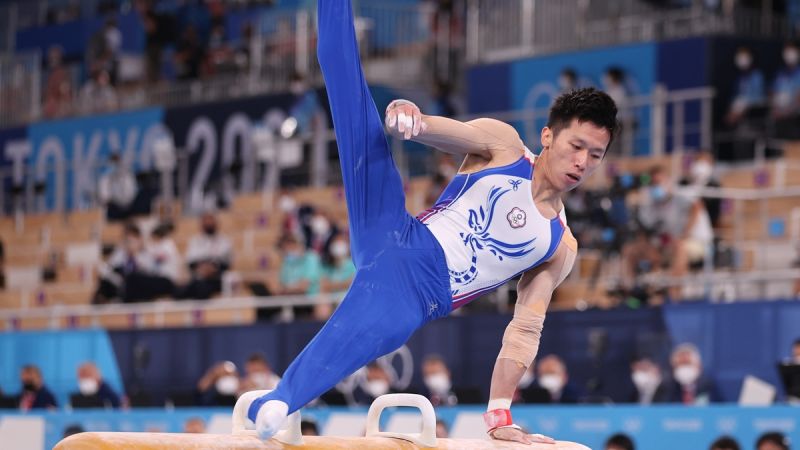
[{"x": 497, "y": 418}]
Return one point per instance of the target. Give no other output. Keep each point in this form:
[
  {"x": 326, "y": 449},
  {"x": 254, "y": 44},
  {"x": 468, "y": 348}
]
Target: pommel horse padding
[{"x": 244, "y": 438}]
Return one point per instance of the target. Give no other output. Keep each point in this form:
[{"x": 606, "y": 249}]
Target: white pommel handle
[
  {"x": 427, "y": 438},
  {"x": 242, "y": 425}
]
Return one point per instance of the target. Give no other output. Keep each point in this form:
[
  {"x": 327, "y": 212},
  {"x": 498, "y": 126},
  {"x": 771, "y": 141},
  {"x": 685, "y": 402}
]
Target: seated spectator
[
  {"x": 640, "y": 256},
  {"x": 309, "y": 428},
  {"x": 58, "y": 87},
  {"x": 649, "y": 384},
  {"x": 219, "y": 385},
  {"x": 442, "y": 430},
  {"x": 690, "y": 386},
  {"x": 528, "y": 391},
  {"x": 772, "y": 441},
  {"x": 620, "y": 442},
  {"x": 117, "y": 189},
  {"x": 338, "y": 271},
  {"x": 378, "y": 383},
  {"x": 137, "y": 267},
  {"x": 189, "y": 55},
  {"x": 97, "y": 95},
  {"x": 258, "y": 374},
  {"x": 194, "y": 425},
  {"x": 93, "y": 392},
  {"x": 438, "y": 384},
  {"x": 725, "y": 443},
  {"x": 35, "y": 395},
  {"x": 110, "y": 284},
  {"x": 165, "y": 253},
  {"x": 785, "y": 101},
  {"x": 208, "y": 256},
  {"x": 552, "y": 375},
  {"x": 300, "y": 268}
]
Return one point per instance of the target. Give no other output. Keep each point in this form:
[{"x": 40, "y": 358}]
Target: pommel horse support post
[{"x": 244, "y": 436}]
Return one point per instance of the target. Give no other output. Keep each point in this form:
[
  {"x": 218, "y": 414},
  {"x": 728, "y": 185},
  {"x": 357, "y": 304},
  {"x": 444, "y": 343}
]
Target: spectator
[
  {"x": 219, "y": 385},
  {"x": 337, "y": 266},
  {"x": 155, "y": 40},
  {"x": 208, "y": 256},
  {"x": 137, "y": 267},
  {"x": 300, "y": 269},
  {"x": 647, "y": 379},
  {"x": 165, "y": 253},
  {"x": 93, "y": 391},
  {"x": 750, "y": 87},
  {"x": 438, "y": 383},
  {"x": 258, "y": 374},
  {"x": 553, "y": 376},
  {"x": 58, "y": 88},
  {"x": 725, "y": 443},
  {"x": 620, "y": 442},
  {"x": 772, "y": 441},
  {"x": 117, "y": 189},
  {"x": 615, "y": 84},
  {"x": 194, "y": 425},
  {"x": 304, "y": 109},
  {"x": 308, "y": 428},
  {"x": 189, "y": 55},
  {"x": 528, "y": 391},
  {"x": 97, "y": 95},
  {"x": 220, "y": 55},
  {"x": 110, "y": 284},
  {"x": 378, "y": 383},
  {"x": 442, "y": 430},
  {"x": 785, "y": 102},
  {"x": 690, "y": 386},
  {"x": 35, "y": 395},
  {"x": 640, "y": 256}
]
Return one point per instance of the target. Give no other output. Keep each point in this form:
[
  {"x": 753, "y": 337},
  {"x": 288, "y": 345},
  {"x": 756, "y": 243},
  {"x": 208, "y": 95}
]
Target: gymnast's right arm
[{"x": 482, "y": 137}]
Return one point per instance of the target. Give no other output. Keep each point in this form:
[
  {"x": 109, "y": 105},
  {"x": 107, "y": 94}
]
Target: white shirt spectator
[
  {"x": 118, "y": 187},
  {"x": 167, "y": 259},
  {"x": 205, "y": 247}
]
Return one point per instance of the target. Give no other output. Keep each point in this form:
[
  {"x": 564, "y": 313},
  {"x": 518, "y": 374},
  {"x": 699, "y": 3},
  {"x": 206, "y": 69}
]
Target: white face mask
[
  {"x": 286, "y": 204},
  {"x": 686, "y": 374},
  {"x": 320, "y": 226},
  {"x": 645, "y": 381},
  {"x": 88, "y": 386},
  {"x": 261, "y": 380},
  {"x": 701, "y": 172},
  {"x": 743, "y": 61},
  {"x": 552, "y": 382},
  {"x": 438, "y": 383},
  {"x": 339, "y": 249},
  {"x": 526, "y": 380},
  {"x": 376, "y": 388},
  {"x": 791, "y": 56},
  {"x": 227, "y": 385}
]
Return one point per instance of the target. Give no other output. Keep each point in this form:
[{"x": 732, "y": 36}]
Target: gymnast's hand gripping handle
[
  {"x": 242, "y": 425},
  {"x": 426, "y": 439}
]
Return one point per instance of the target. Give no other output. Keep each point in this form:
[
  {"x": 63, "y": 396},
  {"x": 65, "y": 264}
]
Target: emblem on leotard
[
  {"x": 515, "y": 184},
  {"x": 516, "y": 218}
]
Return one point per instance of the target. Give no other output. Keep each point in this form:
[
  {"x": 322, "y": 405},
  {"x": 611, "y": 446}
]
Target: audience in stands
[
  {"x": 725, "y": 443},
  {"x": 194, "y": 425},
  {"x": 620, "y": 442},
  {"x": 98, "y": 95},
  {"x": 137, "y": 267},
  {"x": 309, "y": 428},
  {"x": 750, "y": 89},
  {"x": 34, "y": 395},
  {"x": 772, "y": 440},
  {"x": 690, "y": 385},
  {"x": 377, "y": 383},
  {"x": 552, "y": 375},
  {"x": 117, "y": 189},
  {"x": 648, "y": 382},
  {"x": 93, "y": 391},
  {"x": 438, "y": 382},
  {"x": 337, "y": 266},
  {"x": 189, "y": 54},
  {"x": 258, "y": 374},
  {"x": 300, "y": 268},
  {"x": 58, "y": 87},
  {"x": 209, "y": 255},
  {"x": 219, "y": 386},
  {"x": 167, "y": 258},
  {"x": 528, "y": 390},
  {"x": 785, "y": 101}
]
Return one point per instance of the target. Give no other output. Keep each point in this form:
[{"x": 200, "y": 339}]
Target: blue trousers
[{"x": 401, "y": 279}]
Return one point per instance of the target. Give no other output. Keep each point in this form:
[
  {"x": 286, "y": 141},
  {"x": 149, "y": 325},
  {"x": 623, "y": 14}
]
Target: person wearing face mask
[
  {"x": 785, "y": 100},
  {"x": 93, "y": 391},
  {"x": 34, "y": 395},
  {"x": 528, "y": 390},
  {"x": 208, "y": 255},
  {"x": 552, "y": 375},
  {"x": 134, "y": 264},
  {"x": 258, "y": 374},
  {"x": 750, "y": 91},
  {"x": 377, "y": 383},
  {"x": 648, "y": 384},
  {"x": 438, "y": 384},
  {"x": 689, "y": 385},
  {"x": 337, "y": 274},
  {"x": 117, "y": 189},
  {"x": 219, "y": 386}
]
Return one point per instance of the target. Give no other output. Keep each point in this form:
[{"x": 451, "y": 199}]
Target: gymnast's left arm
[{"x": 521, "y": 341}]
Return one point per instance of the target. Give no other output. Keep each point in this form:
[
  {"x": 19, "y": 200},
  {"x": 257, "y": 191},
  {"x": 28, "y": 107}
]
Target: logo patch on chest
[{"x": 516, "y": 218}]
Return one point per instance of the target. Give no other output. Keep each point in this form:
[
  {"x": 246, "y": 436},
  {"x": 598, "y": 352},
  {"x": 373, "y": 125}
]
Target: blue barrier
[{"x": 652, "y": 428}]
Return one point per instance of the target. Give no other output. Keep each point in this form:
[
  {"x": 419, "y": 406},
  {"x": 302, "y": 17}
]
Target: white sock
[{"x": 271, "y": 418}]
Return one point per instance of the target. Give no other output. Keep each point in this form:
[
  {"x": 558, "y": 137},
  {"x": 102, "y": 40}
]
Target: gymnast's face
[{"x": 573, "y": 153}]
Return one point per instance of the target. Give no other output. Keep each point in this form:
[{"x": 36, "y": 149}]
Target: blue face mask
[{"x": 657, "y": 193}]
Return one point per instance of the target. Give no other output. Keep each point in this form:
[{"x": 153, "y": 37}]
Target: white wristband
[{"x": 499, "y": 403}]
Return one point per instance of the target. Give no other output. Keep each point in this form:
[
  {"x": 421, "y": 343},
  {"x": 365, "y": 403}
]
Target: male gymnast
[{"x": 493, "y": 222}]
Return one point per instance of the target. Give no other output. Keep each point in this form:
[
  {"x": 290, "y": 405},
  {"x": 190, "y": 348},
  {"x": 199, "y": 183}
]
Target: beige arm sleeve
[{"x": 483, "y": 137}]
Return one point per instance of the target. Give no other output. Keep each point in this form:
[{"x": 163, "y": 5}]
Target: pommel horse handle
[
  {"x": 243, "y": 425},
  {"x": 427, "y": 438}
]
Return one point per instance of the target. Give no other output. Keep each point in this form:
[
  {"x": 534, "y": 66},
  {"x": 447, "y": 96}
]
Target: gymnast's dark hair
[{"x": 586, "y": 105}]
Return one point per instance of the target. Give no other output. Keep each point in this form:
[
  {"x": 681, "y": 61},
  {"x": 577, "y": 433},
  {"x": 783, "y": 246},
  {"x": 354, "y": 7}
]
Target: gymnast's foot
[{"x": 271, "y": 418}]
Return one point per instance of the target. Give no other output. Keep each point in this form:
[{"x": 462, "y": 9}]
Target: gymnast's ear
[{"x": 547, "y": 137}]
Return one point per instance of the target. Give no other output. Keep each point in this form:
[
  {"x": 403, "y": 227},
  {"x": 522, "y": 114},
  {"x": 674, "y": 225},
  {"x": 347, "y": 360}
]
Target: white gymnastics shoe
[{"x": 272, "y": 416}]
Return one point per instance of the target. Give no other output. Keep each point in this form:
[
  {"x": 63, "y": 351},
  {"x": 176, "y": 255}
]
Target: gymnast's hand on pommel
[
  {"x": 515, "y": 434},
  {"x": 404, "y": 120}
]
